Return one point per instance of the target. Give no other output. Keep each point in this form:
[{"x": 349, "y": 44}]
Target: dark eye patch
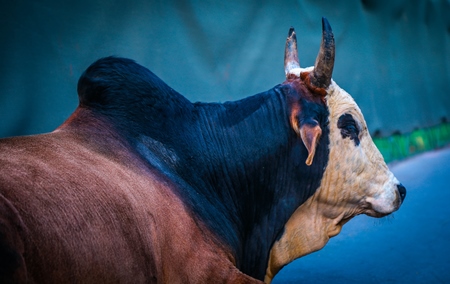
[{"x": 349, "y": 129}]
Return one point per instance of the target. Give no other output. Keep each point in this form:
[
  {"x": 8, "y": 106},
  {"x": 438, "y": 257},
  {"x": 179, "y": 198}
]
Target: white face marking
[{"x": 356, "y": 173}]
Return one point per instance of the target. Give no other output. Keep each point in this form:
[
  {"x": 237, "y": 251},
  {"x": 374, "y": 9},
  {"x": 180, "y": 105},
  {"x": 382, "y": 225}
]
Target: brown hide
[{"x": 77, "y": 206}]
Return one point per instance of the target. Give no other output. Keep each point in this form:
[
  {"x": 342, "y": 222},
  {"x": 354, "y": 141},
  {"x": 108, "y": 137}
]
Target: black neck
[{"x": 234, "y": 163}]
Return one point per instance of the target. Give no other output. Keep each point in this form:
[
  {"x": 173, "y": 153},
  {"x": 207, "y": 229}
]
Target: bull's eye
[{"x": 349, "y": 129}]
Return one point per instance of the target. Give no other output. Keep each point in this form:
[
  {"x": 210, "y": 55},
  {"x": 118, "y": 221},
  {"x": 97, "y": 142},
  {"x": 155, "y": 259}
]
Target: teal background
[{"x": 392, "y": 56}]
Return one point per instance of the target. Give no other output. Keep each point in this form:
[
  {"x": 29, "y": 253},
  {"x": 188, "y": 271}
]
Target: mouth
[
  {"x": 375, "y": 214},
  {"x": 369, "y": 211}
]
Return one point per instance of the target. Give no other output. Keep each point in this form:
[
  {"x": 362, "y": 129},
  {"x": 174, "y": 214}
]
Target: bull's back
[
  {"x": 87, "y": 215},
  {"x": 71, "y": 214},
  {"x": 74, "y": 213}
]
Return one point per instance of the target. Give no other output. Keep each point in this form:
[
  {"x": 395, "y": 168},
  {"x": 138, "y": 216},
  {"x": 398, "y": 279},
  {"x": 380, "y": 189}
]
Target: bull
[{"x": 141, "y": 185}]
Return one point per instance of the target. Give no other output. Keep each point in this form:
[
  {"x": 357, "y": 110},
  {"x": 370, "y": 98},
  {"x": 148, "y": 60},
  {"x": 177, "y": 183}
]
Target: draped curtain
[{"x": 392, "y": 56}]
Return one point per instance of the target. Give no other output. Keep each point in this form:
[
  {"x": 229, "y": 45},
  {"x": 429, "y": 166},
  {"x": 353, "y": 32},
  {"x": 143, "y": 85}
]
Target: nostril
[{"x": 402, "y": 191}]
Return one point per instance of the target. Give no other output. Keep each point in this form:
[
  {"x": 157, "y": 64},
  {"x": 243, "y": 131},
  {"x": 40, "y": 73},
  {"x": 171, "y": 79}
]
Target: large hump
[{"x": 114, "y": 81}]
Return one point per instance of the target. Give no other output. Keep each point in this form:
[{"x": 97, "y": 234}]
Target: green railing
[{"x": 400, "y": 146}]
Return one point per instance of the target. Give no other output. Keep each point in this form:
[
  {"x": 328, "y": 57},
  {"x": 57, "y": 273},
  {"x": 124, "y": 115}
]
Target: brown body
[{"x": 111, "y": 231}]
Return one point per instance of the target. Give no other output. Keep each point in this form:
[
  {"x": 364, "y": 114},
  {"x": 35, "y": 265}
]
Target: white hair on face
[{"x": 357, "y": 170}]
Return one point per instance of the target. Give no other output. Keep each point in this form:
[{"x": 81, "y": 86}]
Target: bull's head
[{"x": 356, "y": 179}]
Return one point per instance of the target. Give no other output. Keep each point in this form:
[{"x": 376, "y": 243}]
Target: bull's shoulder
[
  {"x": 62, "y": 170},
  {"x": 75, "y": 201},
  {"x": 78, "y": 200}
]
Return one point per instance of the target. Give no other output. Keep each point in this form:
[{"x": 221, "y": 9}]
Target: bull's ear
[
  {"x": 309, "y": 131},
  {"x": 310, "y": 135}
]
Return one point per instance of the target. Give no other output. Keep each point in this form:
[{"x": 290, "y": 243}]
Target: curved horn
[
  {"x": 290, "y": 53},
  {"x": 323, "y": 68}
]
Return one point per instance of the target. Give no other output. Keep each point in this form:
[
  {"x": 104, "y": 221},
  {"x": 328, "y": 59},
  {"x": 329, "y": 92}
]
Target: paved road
[{"x": 412, "y": 246}]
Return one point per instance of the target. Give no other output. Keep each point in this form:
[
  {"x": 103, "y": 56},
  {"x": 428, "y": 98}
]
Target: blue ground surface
[{"x": 412, "y": 246}]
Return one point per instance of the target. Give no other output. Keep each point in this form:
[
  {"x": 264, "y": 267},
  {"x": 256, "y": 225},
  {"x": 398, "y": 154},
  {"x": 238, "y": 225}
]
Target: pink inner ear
[{"x": 310, "y": 136}]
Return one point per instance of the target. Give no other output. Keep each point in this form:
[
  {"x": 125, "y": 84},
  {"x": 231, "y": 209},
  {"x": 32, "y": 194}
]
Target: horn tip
[
  {"x": 325, "y": 24},
  {"x": 291, "y": 31}
]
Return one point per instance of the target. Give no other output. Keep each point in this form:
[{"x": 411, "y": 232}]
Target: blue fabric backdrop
[{"x": 392, "y": 56}]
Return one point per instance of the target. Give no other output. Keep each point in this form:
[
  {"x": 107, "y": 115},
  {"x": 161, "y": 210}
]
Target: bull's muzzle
[{"x": 402, "y": 191}]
